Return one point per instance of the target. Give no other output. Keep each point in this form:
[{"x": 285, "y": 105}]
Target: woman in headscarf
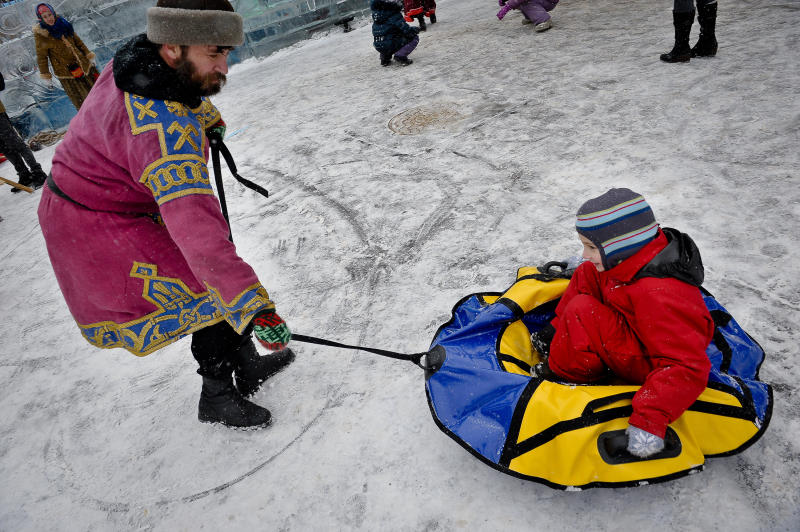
[{"x": 58, "y": 44}]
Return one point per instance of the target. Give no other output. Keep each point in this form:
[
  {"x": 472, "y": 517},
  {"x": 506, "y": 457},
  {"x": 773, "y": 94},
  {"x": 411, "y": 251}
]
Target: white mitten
[{"x": 643, "y": 444}]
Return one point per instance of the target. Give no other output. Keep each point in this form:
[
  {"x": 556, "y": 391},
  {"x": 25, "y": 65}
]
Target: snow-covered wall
[{"x": 105, "y": 24}]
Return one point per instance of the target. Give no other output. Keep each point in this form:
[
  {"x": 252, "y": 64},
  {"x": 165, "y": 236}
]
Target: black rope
[
  {"x": 415, "y": 358},
  {"x": 220, "y": 146},
  {"x": 220, "y": 188},
  {"x": 217, "y": 147}
]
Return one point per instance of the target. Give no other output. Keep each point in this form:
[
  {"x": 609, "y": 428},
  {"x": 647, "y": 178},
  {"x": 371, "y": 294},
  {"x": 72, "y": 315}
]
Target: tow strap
[
  {"x": 415, "y": 358},
  {"x": 217, "y": 147}
]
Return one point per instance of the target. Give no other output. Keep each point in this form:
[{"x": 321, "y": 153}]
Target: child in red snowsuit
[
  {"x": 419, "y": 9},
  {"x": 633, "y": 309}
]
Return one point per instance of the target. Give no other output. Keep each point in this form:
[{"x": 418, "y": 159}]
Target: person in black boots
[
  {"x": 29, "y": 172},
  {"x": 153, "y": 262},
  {"x": 707, "y": 17},
  {"x": 683, "y": 18},
  {"x": 220, "y": 351}
]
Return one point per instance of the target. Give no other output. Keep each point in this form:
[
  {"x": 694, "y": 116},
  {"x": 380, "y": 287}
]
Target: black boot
[
  {"x": 707, "y": 43},
  {"x": 422, "y": 26},
  {"x": 403, "y": 60},
  {"x": 433, "y": 18},
  {"x": 220, "y": 402},
  {"x": 25, "y": 178},
  {"x": 542, "y": 339},
  {"x": 252, "y": 370},
  {"x": 542, "y": 371},
  {"x": 386, "y": 59},
  {"x": 681, "y": 52}
]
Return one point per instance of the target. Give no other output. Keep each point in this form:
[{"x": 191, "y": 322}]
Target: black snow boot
[
  {"x": 421, "y": 19},
  {"x": 681, "y": 52},
  {"x": 707, "y": 43},
  {"x": 252, "y": 370},
  {"x": 542, "y": 370},
  {"x": 433, "y": 18},
  {"x": 220, "y": 402},
  {"x": 542, "y": 339},
  {"x": 403, "y": 60},
  {"x": 386, "y": 59},
  {"x": 24, "y": 178}
]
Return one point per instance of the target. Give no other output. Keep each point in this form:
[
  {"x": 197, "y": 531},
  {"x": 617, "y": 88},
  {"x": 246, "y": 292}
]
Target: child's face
[{"x": 591, "y": 253}]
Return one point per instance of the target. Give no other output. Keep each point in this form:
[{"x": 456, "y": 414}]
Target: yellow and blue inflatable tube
[{"x": 570, "y": 436}]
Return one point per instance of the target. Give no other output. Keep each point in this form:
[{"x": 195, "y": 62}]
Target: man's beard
[{"x": 200, "y": 85}]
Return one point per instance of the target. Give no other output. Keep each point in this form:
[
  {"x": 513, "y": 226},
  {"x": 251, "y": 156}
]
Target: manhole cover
[{"x": 418, "y": 119}]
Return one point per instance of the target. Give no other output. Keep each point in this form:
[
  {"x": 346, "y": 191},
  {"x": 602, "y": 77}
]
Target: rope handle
[{"x": 217, "y": 147}]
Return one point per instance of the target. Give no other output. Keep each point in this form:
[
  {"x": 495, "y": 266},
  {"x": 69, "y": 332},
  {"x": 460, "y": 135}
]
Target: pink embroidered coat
[{"x": 141, "y": 253}]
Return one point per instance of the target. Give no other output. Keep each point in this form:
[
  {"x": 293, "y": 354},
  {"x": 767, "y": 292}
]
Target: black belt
[{"x": 51, "y": 184}]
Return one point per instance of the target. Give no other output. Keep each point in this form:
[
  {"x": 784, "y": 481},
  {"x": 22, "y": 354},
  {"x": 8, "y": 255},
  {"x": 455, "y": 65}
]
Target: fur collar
[
  {"x": 139, "y": 69},
  {"x": 38, "y": 30}
]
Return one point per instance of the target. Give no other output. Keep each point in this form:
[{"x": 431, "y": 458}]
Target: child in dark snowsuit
[
  {"x": 535, "y": 11},
  {"x": 419, "y": 9},
  {"x": 391, "y": 34},
  {"x": 633, "y": 309}
]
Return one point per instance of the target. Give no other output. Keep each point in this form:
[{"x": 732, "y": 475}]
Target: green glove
[
  {"x": 271, "y": 331},
  {"x": 217, "y": 131}
]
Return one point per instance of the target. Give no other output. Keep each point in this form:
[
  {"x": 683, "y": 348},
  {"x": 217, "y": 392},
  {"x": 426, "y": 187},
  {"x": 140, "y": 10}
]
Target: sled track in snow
[
  {"x": 348, "y": 215},
  {"x": 55, "y": 459}
]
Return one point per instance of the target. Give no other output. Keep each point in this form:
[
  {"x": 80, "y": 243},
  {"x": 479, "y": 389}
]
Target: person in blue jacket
[{"x": 391, "y": 34}]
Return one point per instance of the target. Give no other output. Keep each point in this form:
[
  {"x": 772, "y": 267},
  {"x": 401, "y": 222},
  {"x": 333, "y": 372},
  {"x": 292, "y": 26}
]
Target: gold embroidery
[
  {"x": 176, "y": 108},
  {"x": 169, "y": 180},
  {"x": 239, "y": 311},
  {"x": 189, "y": 174},
  {"x": 136, "y": 129},
  {"x": 174, "y": 175},
  {"x": 179, "y": 312},
  {"x": 186, "y": 133},
  {"x": 145, "y": 110}
]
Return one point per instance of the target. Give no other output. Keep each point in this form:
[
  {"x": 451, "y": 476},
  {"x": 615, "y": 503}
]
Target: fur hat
[
  {"x": 619, "y": 223},
  {"x": 188, "y": 22}
]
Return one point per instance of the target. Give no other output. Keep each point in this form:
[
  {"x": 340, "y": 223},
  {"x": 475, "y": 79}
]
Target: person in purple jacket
[
  {"x": 135, "y": 234},
  {"x": 534, "y": 11}
]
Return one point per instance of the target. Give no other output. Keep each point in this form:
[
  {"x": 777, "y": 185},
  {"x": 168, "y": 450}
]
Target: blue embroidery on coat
[
  {"x": 180, "y": 312},
  {"x": 181, "y": 170}
]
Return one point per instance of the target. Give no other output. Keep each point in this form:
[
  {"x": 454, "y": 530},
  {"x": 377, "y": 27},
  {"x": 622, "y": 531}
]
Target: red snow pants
[{"x": 591, "y": 339}]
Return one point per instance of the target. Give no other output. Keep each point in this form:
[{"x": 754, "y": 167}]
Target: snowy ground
[{"x": 371, "y": 236}]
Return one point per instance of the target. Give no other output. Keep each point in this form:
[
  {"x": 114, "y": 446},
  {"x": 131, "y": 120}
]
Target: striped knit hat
[{"x": 619, "y": 223}]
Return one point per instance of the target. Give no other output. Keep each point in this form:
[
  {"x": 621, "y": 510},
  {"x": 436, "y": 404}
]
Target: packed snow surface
[{"x": 394, "y": 192}]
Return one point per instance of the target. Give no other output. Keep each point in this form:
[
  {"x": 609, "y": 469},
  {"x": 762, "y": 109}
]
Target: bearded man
[{"x": 135, "y": 234}]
